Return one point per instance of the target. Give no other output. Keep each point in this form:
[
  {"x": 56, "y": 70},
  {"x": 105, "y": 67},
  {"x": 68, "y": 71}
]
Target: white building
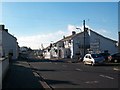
[
  {"x": 8, "y": 43},
  {"x": 74, "y": 46}
]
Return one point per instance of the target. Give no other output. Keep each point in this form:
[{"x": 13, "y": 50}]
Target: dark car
[
  {"x": 105, "y": 55},
  {"x": 114, "y": 58}
]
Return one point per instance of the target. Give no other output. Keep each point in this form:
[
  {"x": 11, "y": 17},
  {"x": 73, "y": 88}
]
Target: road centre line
[{"x": 106, "y": 77}]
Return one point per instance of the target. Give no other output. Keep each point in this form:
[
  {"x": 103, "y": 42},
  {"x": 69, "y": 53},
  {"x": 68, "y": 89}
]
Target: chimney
[
  {"x": 2, "y": 27},
  {"x": 73, "y": 32},
  {"x": 6, "y": 30},
  {"x": 63, "y": 37}
]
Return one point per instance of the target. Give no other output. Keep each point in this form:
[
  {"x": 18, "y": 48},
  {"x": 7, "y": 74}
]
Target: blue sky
[{"x": 36, "y": 23}]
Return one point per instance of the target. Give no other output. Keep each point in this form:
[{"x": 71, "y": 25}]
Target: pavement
[{"x": 20, "y": 76}]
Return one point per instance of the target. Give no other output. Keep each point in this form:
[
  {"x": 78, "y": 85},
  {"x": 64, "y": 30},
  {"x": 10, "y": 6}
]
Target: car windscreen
[{"x": 96, "y": 55}]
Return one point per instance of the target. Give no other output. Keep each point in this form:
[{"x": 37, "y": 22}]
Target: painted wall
[
  {"x": 78, "y": 45},
  {"x": 103, "y": 43},
  {"x": 1, "y": 43},
  {"x": 9, "y": 44}
]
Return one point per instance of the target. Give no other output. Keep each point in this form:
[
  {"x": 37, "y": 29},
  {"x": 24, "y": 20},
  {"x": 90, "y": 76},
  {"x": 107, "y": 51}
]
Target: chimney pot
[{"x": 73, "y": 32}]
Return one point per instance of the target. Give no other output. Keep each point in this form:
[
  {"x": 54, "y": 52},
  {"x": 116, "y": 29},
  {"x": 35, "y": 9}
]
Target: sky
[{"x": 36, "y": 23}]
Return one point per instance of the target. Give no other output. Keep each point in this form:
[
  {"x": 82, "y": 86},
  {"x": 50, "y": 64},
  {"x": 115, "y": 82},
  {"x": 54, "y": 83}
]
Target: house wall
[
  {"x": 53, "y": 52},
  {"x": 47, "y": 54},
  {"x": 103, "y": 43},
  {"x": 1, "y": 43},
  {"x": 60, "y": 49},
  {"x": 78, "y": 45},
  {"x": 9, "y": 44}
]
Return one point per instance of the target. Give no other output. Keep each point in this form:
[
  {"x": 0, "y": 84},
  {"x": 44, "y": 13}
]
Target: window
[
  {"x": 96, "y": 55},
  {"x": 87, "y": 56}
]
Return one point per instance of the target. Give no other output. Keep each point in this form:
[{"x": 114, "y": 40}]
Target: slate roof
[{"x": 72, "y": 36}]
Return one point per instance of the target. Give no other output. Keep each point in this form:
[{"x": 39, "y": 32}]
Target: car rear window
[{"x": 96, "y": 55}]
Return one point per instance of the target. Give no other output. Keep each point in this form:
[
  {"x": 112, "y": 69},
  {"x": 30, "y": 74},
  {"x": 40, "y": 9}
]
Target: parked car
[
  {"x": 114, "y": 58},
  {"x": 93, "y": 59},
  {"x": 105, "y": 55}
]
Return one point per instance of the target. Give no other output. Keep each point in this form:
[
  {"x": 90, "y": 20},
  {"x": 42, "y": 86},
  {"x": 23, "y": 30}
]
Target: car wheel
[
  {"x": 115, "y": 60},
  {"x": 92, "y": 64},
  {"x": 84, "y": 63}
]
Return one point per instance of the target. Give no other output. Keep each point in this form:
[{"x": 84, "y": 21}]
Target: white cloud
[
  {"x": 71, "y": 28},
  {"x": 35, "y": 41}
]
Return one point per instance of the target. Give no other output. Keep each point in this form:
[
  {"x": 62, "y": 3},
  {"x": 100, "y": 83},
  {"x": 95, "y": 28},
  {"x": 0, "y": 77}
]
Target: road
[{"x": 76, "y": 75}]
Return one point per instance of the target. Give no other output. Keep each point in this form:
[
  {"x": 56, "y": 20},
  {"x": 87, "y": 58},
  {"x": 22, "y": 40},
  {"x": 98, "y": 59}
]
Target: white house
[
  {"x": 46, "y": 53},
  {"x": 8, "y": 43},
  {"x": 77, "y": 45}
]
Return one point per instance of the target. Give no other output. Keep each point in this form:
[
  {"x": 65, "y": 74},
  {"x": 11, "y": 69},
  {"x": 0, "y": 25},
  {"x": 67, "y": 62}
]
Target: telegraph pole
[
  {"x": 84, "y": 37},
  {"x": 119, "y": 41}
]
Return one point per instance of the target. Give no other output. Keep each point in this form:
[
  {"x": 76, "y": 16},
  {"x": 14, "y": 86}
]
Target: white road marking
[
  {"x": 64, "y": 65},
  {"x": 106, "y": 76},
  {"x": 78, "y": 69},
  {"x": 116, "y": 69},
  {"x": 91, "y": 82}
]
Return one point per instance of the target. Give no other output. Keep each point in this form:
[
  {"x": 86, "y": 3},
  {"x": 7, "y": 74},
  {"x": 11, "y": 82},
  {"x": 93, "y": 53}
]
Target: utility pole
[
  {"x": 84, "y": 37},
  {"x": 119, "y": 41}
]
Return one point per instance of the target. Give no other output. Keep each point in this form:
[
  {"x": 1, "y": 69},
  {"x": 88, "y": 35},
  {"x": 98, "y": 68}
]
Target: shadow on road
[
  {"x": 109, "y": 64},
  {"x": 34, "y": 69},
  {"x": 44, "y": 60},
  {"x": 59, "y": 82},
  {"x": 20, "y": 76}
]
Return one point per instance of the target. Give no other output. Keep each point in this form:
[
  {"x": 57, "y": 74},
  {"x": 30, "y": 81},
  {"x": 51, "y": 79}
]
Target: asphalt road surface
[{"x": 58, "y": 74}]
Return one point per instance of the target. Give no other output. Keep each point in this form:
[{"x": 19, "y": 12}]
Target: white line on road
[
  {"x": 64, "y": 65},
  {"x": 78, "y": 69},
  {"x": 91, "y": 82},
  {"x": 116, "y": 69},
  {"x": 106, "y": 76}
]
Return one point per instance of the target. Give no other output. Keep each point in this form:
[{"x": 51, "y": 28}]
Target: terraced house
[
  {"x": 8, "y": 44},
  {"x": 78, "y": 44}
]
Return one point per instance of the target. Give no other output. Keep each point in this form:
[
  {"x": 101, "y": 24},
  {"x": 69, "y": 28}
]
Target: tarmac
[{"x": 21, "y": 76}]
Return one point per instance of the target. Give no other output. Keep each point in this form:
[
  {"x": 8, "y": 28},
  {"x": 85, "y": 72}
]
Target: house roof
[
  {"x": 69, "y": 37},
  {"x": 72, "y": 36},
  {"x": 103, "y": 36}
]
